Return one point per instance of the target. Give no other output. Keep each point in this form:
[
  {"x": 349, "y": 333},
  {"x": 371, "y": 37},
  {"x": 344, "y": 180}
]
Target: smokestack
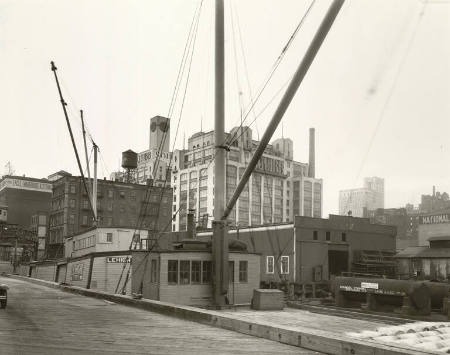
[
  {"x": 190, "y": 224},
  {"x": 312, "y": 154},
  {"x": 434, "y": 191}
]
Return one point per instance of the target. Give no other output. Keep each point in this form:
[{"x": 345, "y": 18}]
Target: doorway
[{"x": 337, "y": 262}]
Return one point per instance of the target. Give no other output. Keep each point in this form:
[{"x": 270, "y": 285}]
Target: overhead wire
[
  {"x": 190, "y": 43},
  {"x": 390, "y": 94}
]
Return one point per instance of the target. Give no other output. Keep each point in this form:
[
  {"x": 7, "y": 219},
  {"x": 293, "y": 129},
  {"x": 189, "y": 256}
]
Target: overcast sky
[{"x": 378, "y": 92}]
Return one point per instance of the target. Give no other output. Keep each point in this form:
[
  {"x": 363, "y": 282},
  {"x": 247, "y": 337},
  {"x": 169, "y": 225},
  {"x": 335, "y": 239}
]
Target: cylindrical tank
[
  {"x": 418, "y": 291},
  {"x": 129, "y": 159}
]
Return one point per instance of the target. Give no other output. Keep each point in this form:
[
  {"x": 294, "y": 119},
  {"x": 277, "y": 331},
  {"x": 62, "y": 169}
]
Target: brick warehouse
[
  {"x": 315, "y": 249},
  {"x": 119, "y": 204},
  {"x": 24, "y": 196}
]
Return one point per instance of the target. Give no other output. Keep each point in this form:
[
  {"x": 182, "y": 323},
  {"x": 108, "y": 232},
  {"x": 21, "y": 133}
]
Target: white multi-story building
[
  {"x": 278, "y": 189},
  {"x": 360, "y": 201}
]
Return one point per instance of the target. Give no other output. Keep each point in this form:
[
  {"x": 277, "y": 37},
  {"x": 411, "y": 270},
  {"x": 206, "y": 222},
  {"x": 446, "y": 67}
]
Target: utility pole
[{"x": 220, "y": 227}]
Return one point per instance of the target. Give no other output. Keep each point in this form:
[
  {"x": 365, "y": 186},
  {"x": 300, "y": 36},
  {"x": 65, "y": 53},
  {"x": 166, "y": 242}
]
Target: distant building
[
  {"x": 39, "y": 228},
  {"x": 154, "y": 163},
  {"x": 434, "y": 202},
  {"x": 24, "y": 196},
  {"x": 397, "y": 217},
  {"x": 359, "y": 202},
  {"x": 279, "y": 188},
  {"x": 118, "y": 205}
]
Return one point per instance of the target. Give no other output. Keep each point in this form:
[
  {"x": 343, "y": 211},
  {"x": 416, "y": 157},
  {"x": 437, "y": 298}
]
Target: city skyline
[{"x": 120, "y": 67}]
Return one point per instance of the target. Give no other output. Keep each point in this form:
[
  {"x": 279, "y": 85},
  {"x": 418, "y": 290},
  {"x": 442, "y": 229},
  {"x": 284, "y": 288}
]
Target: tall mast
[
  {"x": 86, "y": 154},
  {"x": 94, "y": 186},
  {"x": 220, "y": 238},
  {"x": 63, "y": 103},
  {"x": 302, "y": 69}
]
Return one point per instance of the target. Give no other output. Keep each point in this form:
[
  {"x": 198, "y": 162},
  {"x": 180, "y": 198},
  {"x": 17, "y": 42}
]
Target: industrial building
[
  {"x": 316, "y": 249},
  {"x": 430, "y": 261},
  {"x": 279, "y": 188},
  {"x": 25, "y": 196},
  {"x": 359, "y": 202},
  {"x": 119, "y": 204}
]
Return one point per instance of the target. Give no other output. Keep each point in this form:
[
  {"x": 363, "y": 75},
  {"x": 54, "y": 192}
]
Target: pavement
[{"x": 43, "y": 320}]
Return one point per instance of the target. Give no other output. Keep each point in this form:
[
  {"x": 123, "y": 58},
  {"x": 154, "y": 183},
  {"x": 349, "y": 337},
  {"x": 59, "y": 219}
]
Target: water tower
[{"x": 129, "y": 163}]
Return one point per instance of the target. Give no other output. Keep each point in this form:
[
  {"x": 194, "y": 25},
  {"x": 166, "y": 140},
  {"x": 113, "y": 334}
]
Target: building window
[
  {"x": 153, "y": 272},
  {"x": 285, "y": 264},
  {"x": 185, "y": 272},
  {"x": 109, "y": 237},
  {"x": 122, "y": 194},
  {"x": 109, "y": 221},
  {"x": 72, "y": 203},
  {"x": 344, "y": 237},
  {"x": 315, "y": 235},
  {"x": 85, "y": 220},
  {"x": 206, "y": 271},
  {"x": 243, "y": 271},
  {"x": 85, "y": 204},
  {"x": 71, "y": 219},
  {"x": 270, "y": 264},
  {"x": 196, "y": 272},
  {"x": 73, "y": 189},
  {"x": 327, "y": 237},
  {"x": 172, "y": 271},
  {"x": 110, "y": 194}
]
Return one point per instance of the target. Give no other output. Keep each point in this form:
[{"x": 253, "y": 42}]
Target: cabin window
[
  {"x": 153, "y": 272},
  {"x": 270, "y": 265},
  {"x": 196, "y": 270},
  {"x": 315, "y": 235},
  {"x": 344, "y": 237},
  {"x": 185, "y": 272},
  {"x": 327, "y": 237},
  {"x": 172, "y": 271},
  {"x": 243, "y": 271},
  {"x": 285, "y": 265},
  {"x": 206, "y": 272}
]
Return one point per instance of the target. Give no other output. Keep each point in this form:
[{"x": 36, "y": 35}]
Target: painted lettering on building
[
  {"x": 371, "y": 285},
  {"x": 270, "y": 166},
  {"x": 25, "y": 185},
  {"x": 118, "y": 259},
  {"x": 435, "y": 219}
]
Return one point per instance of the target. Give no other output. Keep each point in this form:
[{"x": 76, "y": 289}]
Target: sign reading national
[{"x": 435, "y": 219}]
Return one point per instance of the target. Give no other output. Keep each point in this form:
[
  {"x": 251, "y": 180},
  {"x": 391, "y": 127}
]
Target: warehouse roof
[{"x": 424, "y": 252}]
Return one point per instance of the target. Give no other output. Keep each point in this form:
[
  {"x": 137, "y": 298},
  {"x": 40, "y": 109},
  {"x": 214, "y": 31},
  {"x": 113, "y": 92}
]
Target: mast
[
  {"x": 302, "y": 69},
  {"x": 86, "y": 154},
  {"x": 220, "y": 237},
  {"x": 63, "y": 103},
  {"x": 94, "y": 187}
]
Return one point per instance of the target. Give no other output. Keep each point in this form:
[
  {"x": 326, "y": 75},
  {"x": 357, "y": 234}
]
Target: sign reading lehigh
[
  {"x": 118, "y": 259},
  {"x": 435, "y": 219}
]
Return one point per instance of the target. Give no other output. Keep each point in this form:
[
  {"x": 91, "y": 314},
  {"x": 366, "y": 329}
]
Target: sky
[{"x": 378, "y": 92}]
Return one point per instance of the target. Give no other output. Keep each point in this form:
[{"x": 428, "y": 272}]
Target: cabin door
[{"x": 230, "y": 294}]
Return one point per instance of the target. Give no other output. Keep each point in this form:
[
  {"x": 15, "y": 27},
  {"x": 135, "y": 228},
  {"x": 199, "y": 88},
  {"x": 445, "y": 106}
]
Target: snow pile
[{"x": 429, "y": 336}]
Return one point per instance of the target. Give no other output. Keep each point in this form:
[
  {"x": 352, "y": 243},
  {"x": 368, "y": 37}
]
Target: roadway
[{"x": 42, "y": 320}]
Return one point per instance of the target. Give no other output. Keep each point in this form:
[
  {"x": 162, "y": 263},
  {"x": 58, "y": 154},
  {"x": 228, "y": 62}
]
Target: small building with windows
[{"x": 184, "y": 275}]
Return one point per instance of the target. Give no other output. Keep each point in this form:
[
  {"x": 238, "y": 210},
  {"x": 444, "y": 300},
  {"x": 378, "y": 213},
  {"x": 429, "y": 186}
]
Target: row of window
[
  {"x": 185, "y": 272},
  {"x": 328, "y": 236},
  {"x": 284, "y": 264}
]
